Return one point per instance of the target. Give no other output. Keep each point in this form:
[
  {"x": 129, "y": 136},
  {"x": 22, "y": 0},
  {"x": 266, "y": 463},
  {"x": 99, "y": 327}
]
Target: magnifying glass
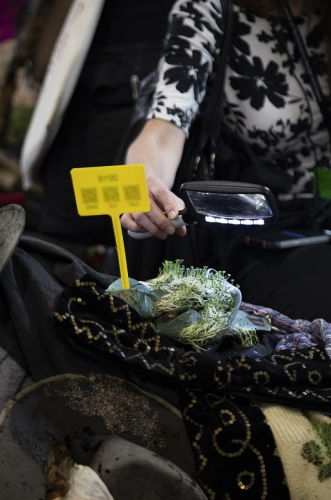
[{"x": 224, "y": 202}]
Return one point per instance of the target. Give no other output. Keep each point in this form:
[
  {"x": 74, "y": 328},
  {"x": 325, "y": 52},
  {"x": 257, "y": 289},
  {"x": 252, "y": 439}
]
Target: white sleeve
[{"x": 194, "y": 37}]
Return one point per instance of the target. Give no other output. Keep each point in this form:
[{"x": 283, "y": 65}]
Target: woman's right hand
[
  {"x": 164, "y": 208},
  {"x": 159, "y": 148}
]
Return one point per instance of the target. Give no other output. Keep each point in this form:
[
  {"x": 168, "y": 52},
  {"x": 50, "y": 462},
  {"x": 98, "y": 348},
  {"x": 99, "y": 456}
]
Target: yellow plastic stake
[{"x": 112, "y": 191}]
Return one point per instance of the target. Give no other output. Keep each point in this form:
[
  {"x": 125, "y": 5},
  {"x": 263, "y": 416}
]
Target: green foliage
[
  {"x": 194, "y": 306},
  {"x": 243, "y": 336},
  {"x": 312, "y": 451},
  {"x": 205, "y": 291},
  {"x": 324, "y": 431}
]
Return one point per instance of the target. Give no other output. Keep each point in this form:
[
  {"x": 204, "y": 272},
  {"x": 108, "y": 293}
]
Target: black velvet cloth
[
  {"x": 217, "y": 393},
  {"x": 29, "y": 285}
]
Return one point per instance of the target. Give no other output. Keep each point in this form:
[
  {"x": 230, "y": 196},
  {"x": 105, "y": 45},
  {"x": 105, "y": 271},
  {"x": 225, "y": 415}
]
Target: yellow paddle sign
[{"x": 112, "y": 191}]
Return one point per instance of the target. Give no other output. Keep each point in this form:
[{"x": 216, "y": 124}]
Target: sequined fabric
[{"x": 233, "y": 446}]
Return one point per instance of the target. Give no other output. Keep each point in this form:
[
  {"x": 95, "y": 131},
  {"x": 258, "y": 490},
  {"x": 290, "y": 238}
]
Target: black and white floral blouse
[{"x": 269, "y": 100}]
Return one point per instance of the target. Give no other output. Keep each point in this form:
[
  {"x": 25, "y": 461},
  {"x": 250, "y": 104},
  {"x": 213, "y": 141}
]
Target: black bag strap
[
  {"x": 322, "y": 100},
  {"x": 213, "y": 113}
]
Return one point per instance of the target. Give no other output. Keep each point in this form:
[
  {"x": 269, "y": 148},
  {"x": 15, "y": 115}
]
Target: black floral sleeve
[{"x": 194, "y": 35}]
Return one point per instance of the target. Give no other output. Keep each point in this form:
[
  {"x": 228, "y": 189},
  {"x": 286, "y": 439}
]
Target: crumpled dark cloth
[
  {"x": 216, "y": 391},
  {"x": 295, "y": 334},
  {"x": 233, "y": 445},
  {"x": 30, "y": 283}
]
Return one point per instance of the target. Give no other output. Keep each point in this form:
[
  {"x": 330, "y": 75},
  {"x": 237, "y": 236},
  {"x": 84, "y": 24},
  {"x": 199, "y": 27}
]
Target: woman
[{"x": 271, "y": 104}]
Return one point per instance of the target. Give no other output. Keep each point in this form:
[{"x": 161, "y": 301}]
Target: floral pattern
[
  {"x": 269, "y": 100},
  {"x": 257, "y": 83}
]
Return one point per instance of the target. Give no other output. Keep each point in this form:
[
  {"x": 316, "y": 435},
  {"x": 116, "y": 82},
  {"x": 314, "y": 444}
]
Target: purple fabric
[
  {"x": 294, "y": 334},
  {"x": 9, "y": 10}
]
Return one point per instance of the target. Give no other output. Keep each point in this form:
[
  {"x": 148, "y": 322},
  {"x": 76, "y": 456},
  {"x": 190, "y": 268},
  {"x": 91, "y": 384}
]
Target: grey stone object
[
  {"x": 85, "y": 412},
  {"x": 132, "y": 472}
]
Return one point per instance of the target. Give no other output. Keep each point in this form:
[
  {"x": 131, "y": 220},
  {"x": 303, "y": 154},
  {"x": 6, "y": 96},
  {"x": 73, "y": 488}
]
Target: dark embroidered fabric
[{"x": 234, "y": 449}]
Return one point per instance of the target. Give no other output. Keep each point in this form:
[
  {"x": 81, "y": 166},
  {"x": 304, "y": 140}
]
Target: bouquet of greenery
[{"x": 195, "y": 306}]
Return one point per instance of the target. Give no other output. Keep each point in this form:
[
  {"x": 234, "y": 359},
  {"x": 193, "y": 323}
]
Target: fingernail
[
  {"x": 170, "y": 230},
  {"x": 172, "y": 214}
]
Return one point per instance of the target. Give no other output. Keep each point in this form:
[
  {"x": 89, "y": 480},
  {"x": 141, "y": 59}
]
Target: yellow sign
[
  {"x": 109, "y": 190},
  {"x": 112, "y": 191}
]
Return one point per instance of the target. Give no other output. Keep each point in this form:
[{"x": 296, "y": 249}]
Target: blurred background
[
  {"x": 28, "y": 30},
  {"x": 28, "y": 33}
]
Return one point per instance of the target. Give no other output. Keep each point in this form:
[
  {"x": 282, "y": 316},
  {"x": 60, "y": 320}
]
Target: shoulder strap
[
  {"x": 322, "y": 100},
  {"x": 213, "y": 113}
]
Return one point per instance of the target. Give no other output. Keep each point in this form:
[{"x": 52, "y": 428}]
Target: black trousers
[{"x": 296, "y": 282}]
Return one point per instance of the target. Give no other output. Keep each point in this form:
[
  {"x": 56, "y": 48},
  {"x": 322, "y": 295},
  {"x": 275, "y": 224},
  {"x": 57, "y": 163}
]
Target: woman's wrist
[{"x": 159, "y": 148}]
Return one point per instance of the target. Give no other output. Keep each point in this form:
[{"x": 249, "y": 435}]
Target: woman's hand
[
  {"x": 159, "y": 148},
  {"x": 164, "y": 208}
]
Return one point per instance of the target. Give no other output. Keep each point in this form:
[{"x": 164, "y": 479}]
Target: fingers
[
  {"x": 128, "y": 222},
  {"x": 154, "y": 221},
  {"x": 165, "y": 199},
  {"x": 164, "y": 208},
  {"x": 181, "y": 231}
]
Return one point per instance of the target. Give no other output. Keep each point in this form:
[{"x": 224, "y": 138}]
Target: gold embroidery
[
  {"x": 246, "y": 480},
  {"x": 261, "y": 378}
]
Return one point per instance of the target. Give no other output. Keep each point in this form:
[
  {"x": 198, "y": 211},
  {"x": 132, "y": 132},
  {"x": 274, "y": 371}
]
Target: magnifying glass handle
[{"x": 142, "y": 236}]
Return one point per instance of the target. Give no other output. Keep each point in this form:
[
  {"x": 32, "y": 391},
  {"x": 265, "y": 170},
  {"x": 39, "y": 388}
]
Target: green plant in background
[{"x": 18, "y": 124}]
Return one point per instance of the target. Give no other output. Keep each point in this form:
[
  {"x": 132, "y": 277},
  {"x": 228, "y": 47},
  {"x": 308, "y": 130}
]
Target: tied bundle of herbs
[{"x": 194, "y": 306}]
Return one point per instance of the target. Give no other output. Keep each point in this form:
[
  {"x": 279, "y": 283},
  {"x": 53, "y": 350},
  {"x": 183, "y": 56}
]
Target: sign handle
[
  {"x": 121, "y": 252},
  {"x": 112, "y": 190}
]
